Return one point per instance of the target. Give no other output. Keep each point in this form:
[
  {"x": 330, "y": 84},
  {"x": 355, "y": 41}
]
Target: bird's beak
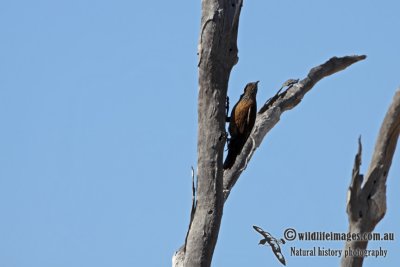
[{"x": 257, "y": 82}]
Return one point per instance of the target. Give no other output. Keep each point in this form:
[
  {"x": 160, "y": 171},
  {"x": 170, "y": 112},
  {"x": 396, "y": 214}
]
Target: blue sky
[{"x": 98, "y": 128}]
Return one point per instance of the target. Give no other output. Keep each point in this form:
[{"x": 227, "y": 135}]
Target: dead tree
[
  {"x": 366, "y": 202},
  {"x": 217, "y": 55}
]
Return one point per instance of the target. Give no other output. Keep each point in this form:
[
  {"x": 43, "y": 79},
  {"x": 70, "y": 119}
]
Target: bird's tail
[{"x": 234, "y": 148}]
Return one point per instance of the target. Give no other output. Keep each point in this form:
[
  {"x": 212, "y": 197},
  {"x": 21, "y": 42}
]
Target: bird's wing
[
  {"x": 251, "y": 116},
  {"x": 265, "y": 234},
  {"x": 258, "y": 229},
  {"x": 277, "y": 251},
  {"x": 242, "y": 113}
]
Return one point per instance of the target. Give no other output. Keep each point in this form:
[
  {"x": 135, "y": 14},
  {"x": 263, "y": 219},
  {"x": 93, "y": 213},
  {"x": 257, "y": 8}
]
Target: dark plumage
[{"x": 241, "y": 123}]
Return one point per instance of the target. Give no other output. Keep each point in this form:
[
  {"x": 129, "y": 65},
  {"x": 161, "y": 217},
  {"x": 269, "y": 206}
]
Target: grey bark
[
  {"x": 366, "y": 202},
  {"x": 217, "y": 55}
]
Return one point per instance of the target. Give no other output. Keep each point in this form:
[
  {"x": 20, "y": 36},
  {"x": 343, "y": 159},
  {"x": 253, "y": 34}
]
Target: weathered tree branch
[
  {"x": 217, "y": 55},
  {"x": 366, "y": 203},
  {"x": 270, "y": 113}
]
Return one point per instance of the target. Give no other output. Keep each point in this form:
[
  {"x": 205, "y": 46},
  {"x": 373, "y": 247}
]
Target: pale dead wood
[
  {"x": 217, "y": 55},
  {"x": 366, "y": 203}
]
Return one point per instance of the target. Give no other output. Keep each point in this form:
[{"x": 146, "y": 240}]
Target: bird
[
  {"x": 273, "y": 242},
  {"x": 241, "y": 122}
]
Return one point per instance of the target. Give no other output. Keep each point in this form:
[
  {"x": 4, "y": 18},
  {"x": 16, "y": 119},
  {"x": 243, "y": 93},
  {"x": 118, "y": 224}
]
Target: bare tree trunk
[
  {"x": 366, "y": 203},
  {"x": 217, "y": 56},
  {"x": 267, "y": 118}
]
